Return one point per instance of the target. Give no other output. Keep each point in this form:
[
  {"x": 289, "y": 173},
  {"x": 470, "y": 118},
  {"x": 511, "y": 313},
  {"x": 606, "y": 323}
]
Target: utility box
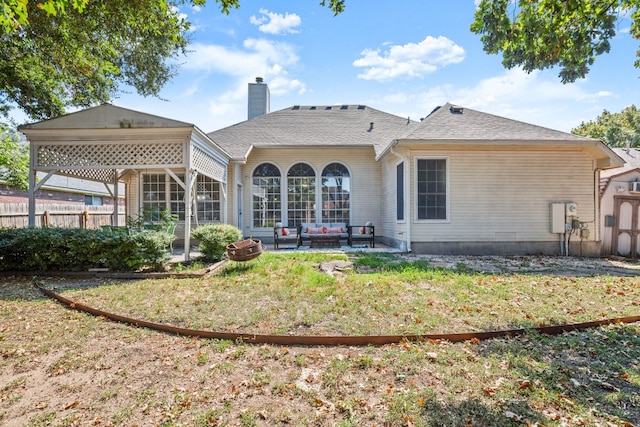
[{"x": 558, "y": 218}]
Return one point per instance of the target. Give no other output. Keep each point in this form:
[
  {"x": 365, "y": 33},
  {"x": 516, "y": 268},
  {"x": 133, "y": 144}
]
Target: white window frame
[
  {"x": 405, "y": 183},
  {"x": 283, "y": 192},
  {"x": 320, "y": 194},
  {"x": 448, "y": 189},
  {"x": 285, "y": 214}
]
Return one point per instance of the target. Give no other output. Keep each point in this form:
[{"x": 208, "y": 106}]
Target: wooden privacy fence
[{"x": 58, "y": 215}]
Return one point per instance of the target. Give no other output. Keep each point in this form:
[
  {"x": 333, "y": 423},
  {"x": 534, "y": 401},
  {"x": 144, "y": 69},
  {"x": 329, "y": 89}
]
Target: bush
[
  {"x": 74, "y": 249},
  {"x": 214, "y": 239}
]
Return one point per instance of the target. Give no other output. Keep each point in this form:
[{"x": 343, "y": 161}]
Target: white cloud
[
  {"x": 238, "y": 66},
  {"x": 410, "y": 60},
  {"x": 537, "y": 98},
  {"x": 256, "y": 56},
  {"x": 276, "y": 23}
]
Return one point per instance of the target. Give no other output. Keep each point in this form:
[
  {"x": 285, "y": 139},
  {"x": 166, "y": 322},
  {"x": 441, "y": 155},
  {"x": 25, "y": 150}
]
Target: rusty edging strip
[{"x": 359, "y": 340}]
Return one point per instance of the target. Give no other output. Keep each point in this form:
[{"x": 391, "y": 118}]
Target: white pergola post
[
  {"x": 116, "y": 197},
  {"x": 189, "y": 177}
]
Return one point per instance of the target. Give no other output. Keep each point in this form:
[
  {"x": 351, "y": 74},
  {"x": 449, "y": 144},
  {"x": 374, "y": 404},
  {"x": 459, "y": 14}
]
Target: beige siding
[
  {"x": 365, "y": 179},
  {"x": 505, "y": 195},
  {"x": 133, "y": 198},
  {"x": 389, "y": 226}
]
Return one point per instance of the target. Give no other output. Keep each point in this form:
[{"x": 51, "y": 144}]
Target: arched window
[
  {"x": 336, "y": 192},
  {"x": 301, "y": 194},
  {"x": 267, "y": 205}
]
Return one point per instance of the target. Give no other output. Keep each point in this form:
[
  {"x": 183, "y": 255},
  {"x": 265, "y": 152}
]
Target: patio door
[{"x": 626, "y": 232}]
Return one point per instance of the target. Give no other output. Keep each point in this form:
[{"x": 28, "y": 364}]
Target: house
[
  {"x": 620, "y": 206},
  {"x": 459, "y": 181}
]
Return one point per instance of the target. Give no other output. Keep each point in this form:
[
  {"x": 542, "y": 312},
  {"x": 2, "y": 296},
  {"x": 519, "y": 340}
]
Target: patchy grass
[{"x": 59, "y": 367}]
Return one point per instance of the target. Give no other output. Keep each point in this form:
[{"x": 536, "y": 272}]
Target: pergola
[{"x": 113, "y": 145}]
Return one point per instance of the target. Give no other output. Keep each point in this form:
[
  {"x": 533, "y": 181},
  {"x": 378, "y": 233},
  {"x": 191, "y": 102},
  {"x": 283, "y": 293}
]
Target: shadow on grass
[
  {"x": 587, "y": 371},
  {"x": 393, "y": 263},
  {"x": 473, "y": 412}
]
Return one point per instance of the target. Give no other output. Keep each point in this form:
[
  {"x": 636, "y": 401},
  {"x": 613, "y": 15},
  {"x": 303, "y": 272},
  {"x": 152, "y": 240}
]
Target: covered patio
[{"x": 164, "y": 164}]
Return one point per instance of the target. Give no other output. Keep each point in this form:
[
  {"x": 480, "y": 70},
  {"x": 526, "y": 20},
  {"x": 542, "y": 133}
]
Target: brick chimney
[{"x": 259, "y": 98}]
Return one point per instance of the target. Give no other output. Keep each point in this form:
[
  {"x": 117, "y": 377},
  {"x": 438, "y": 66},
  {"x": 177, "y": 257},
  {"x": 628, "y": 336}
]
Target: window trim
[
  {"x": 283, "y": 194},
  {"x": 320, "y": 193},
  {"x": 285, "y": 188},
  {"x": 169, "y": 182},
  {"x": 404, "y": 191},
  {"x": 446, "y": 220}
]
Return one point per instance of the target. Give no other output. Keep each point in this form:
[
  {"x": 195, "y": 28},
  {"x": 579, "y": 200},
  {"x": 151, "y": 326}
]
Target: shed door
[{"x": 626, "y": 234}]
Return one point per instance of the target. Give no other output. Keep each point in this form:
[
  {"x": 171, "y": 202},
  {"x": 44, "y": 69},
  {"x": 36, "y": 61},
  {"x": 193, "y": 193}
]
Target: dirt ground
[{"x": 59, "y": 367}]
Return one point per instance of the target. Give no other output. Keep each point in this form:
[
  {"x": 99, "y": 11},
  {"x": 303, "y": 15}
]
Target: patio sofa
[
  {"x": 308, "y": 230},
  {"x": 338, "y": 232}
]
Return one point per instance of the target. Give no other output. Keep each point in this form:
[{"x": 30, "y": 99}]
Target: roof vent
[
  {"x": 312, "y": 108},
  {"x": 328, "y": 107},
  {"x": 259, "y": 80},
  {"x": 344, "y": 107},
  {"x": 456, "y": 110},
  {"x": 370, "y": 127},
  {"x": 360, "y": 107},
  {"x": 296, "y": 107}
]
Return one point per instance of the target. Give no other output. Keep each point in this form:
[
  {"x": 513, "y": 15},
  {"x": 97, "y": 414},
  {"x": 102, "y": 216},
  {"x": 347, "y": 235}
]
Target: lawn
[{"x": 61, "y": 367}]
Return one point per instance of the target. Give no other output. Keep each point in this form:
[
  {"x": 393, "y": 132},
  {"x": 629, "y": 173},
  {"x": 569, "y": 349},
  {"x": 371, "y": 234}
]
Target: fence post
[
  {"x": 45, "y": 218},
  {"x": 84, "y": 219}
]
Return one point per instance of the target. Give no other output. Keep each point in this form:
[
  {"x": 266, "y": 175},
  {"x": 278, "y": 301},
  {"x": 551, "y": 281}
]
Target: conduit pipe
[{"x": 361, "y": 340}]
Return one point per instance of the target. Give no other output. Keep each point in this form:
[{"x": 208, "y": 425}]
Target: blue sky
[{"x": 403, "y": 57}]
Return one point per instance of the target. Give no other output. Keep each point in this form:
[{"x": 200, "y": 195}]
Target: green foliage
[
  {"x": 615, "y": 129},
  {"x": 542, "y": 34},
  {"x": 214, "y": 239},
  {"x": 158, "y": 220},
  {"x": 74, "y": 249},
  {"x": 14, "y": 158},
  {"x": 80, "y": 56},
  {"x": 60, "y": 53},
  {"x": 336, "y": 6}
]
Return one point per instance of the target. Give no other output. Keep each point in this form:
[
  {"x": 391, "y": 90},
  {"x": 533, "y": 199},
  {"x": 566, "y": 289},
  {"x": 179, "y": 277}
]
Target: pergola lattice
[{"x": 104, "y": 143}]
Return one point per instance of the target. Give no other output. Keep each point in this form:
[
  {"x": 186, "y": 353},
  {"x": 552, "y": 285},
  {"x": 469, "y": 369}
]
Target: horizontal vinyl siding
[
  {"x": 505, "y": 196},
  {"x": 133, "y": 196},
  {"x": 365, "y": 178},
  {"x": 390, "y": 227}
]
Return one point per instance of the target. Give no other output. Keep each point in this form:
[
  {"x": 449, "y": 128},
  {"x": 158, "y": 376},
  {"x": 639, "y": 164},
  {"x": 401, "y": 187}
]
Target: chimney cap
[{"x": 259, "y": 80}]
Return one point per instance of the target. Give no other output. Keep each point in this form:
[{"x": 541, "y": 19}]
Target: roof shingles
[{"x": 315, "y": 126}]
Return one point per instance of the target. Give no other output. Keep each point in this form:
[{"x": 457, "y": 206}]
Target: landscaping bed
[{"x": 63, "y": 367}]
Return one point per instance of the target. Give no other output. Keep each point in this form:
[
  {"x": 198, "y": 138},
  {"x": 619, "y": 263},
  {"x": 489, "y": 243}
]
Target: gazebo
[{"x": 164, "y": 164}]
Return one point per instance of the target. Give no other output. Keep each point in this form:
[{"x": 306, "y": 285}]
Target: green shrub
[
  {"x": 73, "y": 249},
  {"x": 214, "y": 239}
]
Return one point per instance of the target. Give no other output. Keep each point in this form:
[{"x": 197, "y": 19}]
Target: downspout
[
  {"x": 407, "y": 185},
  {"x": 597, "y": 209}
]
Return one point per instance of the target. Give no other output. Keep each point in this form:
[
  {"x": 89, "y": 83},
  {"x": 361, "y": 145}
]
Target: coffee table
[{"x": 324, "y": 240}]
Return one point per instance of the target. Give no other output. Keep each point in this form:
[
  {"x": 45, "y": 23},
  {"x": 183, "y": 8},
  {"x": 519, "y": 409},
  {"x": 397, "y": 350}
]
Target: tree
[
  {"x": 615, "y": 129},
  {"x": 14, "y": 158},
  {"x": 81, "y": 57},
  {"x": 78, "y": 53},
  {"x": 542, "y": 34}
]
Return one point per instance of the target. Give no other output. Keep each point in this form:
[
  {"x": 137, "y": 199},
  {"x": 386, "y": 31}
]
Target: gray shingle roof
[
  {"x": 106, "y": 116},
  {"x": 300, "y": 126},
  {"x": 631, "y": 158},
  {"x": 451, "y": 122}
]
